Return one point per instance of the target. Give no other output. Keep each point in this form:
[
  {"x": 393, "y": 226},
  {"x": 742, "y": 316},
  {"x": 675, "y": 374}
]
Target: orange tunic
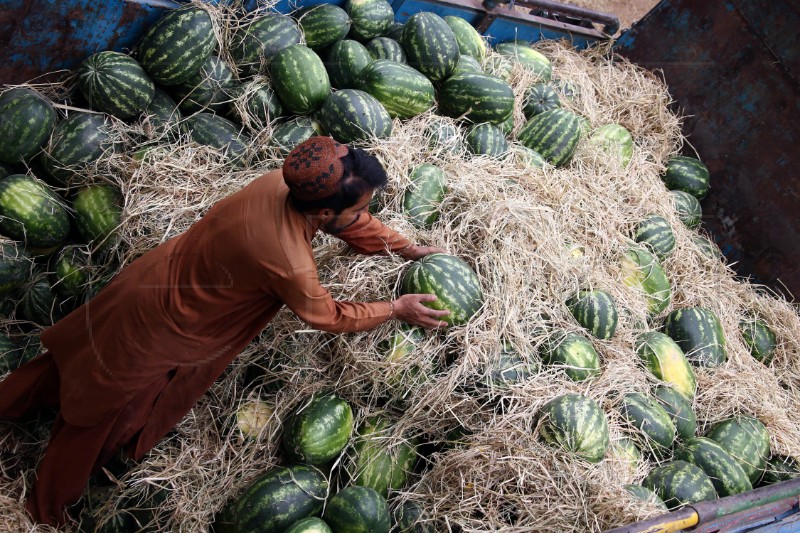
[{"x": 186, "y": 308}]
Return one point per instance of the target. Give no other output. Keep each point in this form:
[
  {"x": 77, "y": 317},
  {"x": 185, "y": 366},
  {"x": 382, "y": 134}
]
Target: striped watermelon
[
  {"x": 478, "y": 97},
  {"x": 508, "y": 368},
  {"x": 407, "y": 368},
  {"x": 115, "y": 83},
  {"x": 453, "y": 282},
  {"x": 498, "y": 65},
  {"x": 350, "y": 116},
  {"x": 309, "y": 525},
  {"x": 386, "y": 48},
  {"x": 319, "y": 429},
  {"x": 26, "y": 121},
  {"x": 408, "y": 518},
  {"x": 98, "y": 212},
  {"x": 554, "y": 134},
  {"x": 645, "y": 495},
  {"x": 647, "y": 416},
  {"x": 573, "y": 353},
  {"x": 32, "y": 213},
  {"x": 595, "y": 310},
  {"x": 467, "y": 64},
  {"x": 577, "y": 424},
  {"x": 627, "y": 450},
  {"x": 746, "y": 439},
  {"x": 687, "y": 174},
  {"x": 370, "y": 18},
  {"x": 526, "y": 157},
  {"x": 528, "y": 58},
  {"x": 177, "y": 45},
  {"x": 211, "y": 87},
  {"x": 289, "y": 134},
  {"x": 707, "y": 247},
  {"x": 395, "y": 31},
  {"x": 9, "y": 354},
  {"x": 403, "y": 91},
  {"x": 323, "y": 25},
  {"x": 687, "y": 207},
  {"x": 566, "y": 89},
  {"x": 615, "y": 141},
  {"x": 725, "y": 473},
  {"x": 664, "y": 358},
  {"x": 299, "y": 79},
  {"x": 539, "y": 98},
  {"x": 486, "y": 139},
  {"x": 680, "y": 483},
  {"x": 679, "y": 409},
  {"x": 15, "y": 264},
  {"x": 779, "y": 468},
  {"x": 378, "y": 462},
  {"x": 641, "y": 269},
  {"x": 656, "y": 233},
  {"x": 41, "y": 305},
  {"x": 507, "y": 126},
  {"x": 258, "y": 105},
  {"x": 71, "y": 272},
  {"x": 759, "y": 338},
  {"x": 445, "y": 136},
  {"x": 430, "y": 45},
  {"x": 424, "y": 194},
  {"x": 255, "y": 44},
  {"x": 358, "y": 510},
  {"x": 699, "y": 334},
  {"x": 345, "y": 62},
  {"x": 161, "y": 117},
  {"x": 276, "y": 500},
  {"x": 470, "y": 42},
  {"x": 80, "y": 139},
  {"x": 217, "y": 132}
]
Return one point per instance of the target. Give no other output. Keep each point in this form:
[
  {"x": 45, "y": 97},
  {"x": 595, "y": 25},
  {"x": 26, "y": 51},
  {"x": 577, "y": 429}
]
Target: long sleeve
[{"x": 369, "y": 236}]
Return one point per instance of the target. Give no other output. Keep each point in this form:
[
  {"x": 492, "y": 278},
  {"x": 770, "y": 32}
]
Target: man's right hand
[{"x": 409, "y": 308}]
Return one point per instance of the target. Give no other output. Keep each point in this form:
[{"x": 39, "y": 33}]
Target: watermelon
[
  {"x": 688, "y": 208},
  {"x": 345, "y": 62},
  {"x": 539, "y": 98},
  {"x": 577, "y": 424},
  {"x": 161, "y": 117},
  {"x": 645, "y": 495},
  {"x": 507, "y": 126},
  {"x": 71, "y": 272},
  {"x": 646, "y": 415},
  {"x": 252, "y": 418},
  {"x": 430, "y": 45},
  {"x": 26, "y": 121},
  {"x": 98, "y": 212},
  {"x": 358, "y": 510},
  {"x": 289, "y": 134},
  {"x": 407, "y": 369},
  {"x": 779, "y": 468},
  {"x": 665, "y": 359},
  {"x": 477, "y": 97},
  {"x": 370, "y": 18},
  {"x": 115, "y": 83},
  {"x": 408, "y": 518},
  {"x": 747, "y": 440},
  {"x": 217, "y": 132},
  {"x": 566, "y": 89},
  {"x": 707, "y": 247},
  {"x": 627, "y": 450},
  {"x": 309, "y": 525},
  {"x": 452, "y": 280},
  {"x": 595, "y": 310},
  {"x": 615, "y": 141},
  {"x": 699, "y": 334},
  {"x": 680, "y": 483},
  {"x": 641, "y": 270},
  {"x": 466, "y": 65},
  {"x": 10, "y": 353},
  {"x": 79, "y": 140},
  {"x": 351, "y": 116},
  {"x": 486, "y": 139},
  {"x": 508, "y": 368},
  {"x": 526, "y": 157},
  {"x": 32, "y": 213},
  {"x": 656, "y": 233},
  {"x": 386, "y": 48},
  {"x": 574, "y": 353},
  {"x": 15, "y": 264},
  {"x": 687, "y": 174},
  {"x": 470, "y": 42},
  {"x": 403, "y": 91},
  {"x": 528, "y": 58},
  {"x": 377, "y": 461},
  {"x": 211, "y": 87},
  {"x": 554, "y": 134},
  {"x": 255, "y": 44},
  {"x": 759, "y": 338},
  {"x": 258, "y": 105},
  {"x": 299, "y": 79},
  {"x": 679, "y": 409},
  {"x": 177, "y": 45},
  {"x": 424, "y": 194},
  {"x": 498, "y": 65},
  {"x": 444, "y": 136},
  {"x": 725, "y": 473},
  {"x": 277, "y": 499},
  {"x": 323, "y": 25},
  {"x": 395, "y": 31},
  {"x": 40, "y": 304},
  {"x": 318, "y": 430}
]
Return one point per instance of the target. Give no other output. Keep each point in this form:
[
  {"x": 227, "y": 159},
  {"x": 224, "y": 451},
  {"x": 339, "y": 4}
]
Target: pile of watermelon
[{"x": 584, "y": 357}]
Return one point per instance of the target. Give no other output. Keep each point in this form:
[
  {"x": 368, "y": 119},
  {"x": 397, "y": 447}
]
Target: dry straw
[{"x": 484, "y": 468}]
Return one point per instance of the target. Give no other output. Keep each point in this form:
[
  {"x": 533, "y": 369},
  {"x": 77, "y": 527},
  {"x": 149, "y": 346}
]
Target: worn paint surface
[{"x": 733, "y": 69}]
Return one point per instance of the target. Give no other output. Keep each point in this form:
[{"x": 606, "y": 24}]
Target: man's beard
[{"x": 331, "y": 228}]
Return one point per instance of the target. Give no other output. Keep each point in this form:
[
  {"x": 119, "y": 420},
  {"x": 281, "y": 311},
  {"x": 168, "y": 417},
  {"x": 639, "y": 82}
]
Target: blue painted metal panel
[
  {"x": 502, "y": 30},
  {"x": 405, "y": 8}
]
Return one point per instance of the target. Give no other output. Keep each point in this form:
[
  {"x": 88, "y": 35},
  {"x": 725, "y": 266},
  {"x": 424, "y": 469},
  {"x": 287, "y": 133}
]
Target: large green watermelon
[
  {"x": 358, "y": 509},
  {"x": 665, "y": 359},
  {"x": 255, "y": 43},
  {"x": 680, "y": 483},
  {"x": 403, "y": 91},
  {"x": 300, "y": 80},
  {"x": 699, "y": 333},
  {"x": 352, "y": 116},
  {"x": 477, "y": 97},
  {"x": 319, "y": 429},
  {"x": 576, "y": 424},
  {"x": 115, "y": 83},
  {"x": 430, "y": 45},
  {"x": 77, "y": 141},
  {"x": 687, "y": 174},
  {"x": 595, "y": 310},
  {"x": 747, "y": 440},
  {"x": 641, "y": 269},
  {"x": 424, "y": 194},
  {"x": 554, "y": 134},
  {"x": 32, "y": 213},
  {"x": 26, "y": 121}
]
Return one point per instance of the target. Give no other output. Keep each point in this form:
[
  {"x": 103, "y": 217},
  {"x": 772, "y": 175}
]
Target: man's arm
[{"x": 369, "y": 236}]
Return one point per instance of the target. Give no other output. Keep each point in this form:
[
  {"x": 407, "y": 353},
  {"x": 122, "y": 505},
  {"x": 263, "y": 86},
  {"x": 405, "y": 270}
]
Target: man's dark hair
[{"x": 362, "y": 172}]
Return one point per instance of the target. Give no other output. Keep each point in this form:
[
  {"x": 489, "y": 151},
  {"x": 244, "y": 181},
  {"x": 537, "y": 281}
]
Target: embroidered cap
[{"x": 313, "y": 169}]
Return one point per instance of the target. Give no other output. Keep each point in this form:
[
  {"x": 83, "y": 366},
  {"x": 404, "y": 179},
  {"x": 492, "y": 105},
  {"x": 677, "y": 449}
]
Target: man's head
[{"x": 332, "y": 182}]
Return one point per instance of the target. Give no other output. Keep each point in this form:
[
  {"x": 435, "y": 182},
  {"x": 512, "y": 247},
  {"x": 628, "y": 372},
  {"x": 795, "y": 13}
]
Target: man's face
[{"x": 349, "y": 216}]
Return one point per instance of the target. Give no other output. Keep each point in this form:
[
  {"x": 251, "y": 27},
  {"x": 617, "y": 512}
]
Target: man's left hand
[{"x": 415, "y": 252}]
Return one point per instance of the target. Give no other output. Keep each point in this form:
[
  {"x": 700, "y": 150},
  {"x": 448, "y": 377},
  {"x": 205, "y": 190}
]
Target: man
[{"x": 125, "y": 367}]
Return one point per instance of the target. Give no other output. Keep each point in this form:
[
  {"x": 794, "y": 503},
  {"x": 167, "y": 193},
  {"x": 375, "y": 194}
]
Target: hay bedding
[{"x": 483, "y": 468}]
